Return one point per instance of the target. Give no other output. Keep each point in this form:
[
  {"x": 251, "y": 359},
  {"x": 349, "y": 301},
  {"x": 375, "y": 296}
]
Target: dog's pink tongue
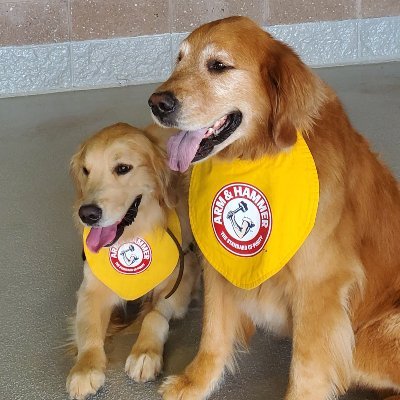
[
  {"x": 182, "y": 148},
  {"x": 99, "y": 237}
]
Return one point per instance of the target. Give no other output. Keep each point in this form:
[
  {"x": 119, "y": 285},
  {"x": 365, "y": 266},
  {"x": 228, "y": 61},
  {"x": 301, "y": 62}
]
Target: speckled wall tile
[
  {"x": 100, "y": 19},
  {"x": 379, "y": 8},
  {"x": 121, "y": 61},
  {"x": 188, "y": 14},
  {"x": 30, "y": 69},
  {"x": 293, "y": 11},
  {"x": 380, "y": 38},
  {"x": 321, "y": 43},
  {"x": 34, "y": 22}
]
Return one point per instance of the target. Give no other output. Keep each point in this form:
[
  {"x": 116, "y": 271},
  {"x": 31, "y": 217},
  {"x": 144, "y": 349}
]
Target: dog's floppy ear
[
  {"x": 164, "y": 177},
  {"x": 74, "y": 169},
  {"x": 158, "y": 159},
  {"x": 295, "y": 93}
]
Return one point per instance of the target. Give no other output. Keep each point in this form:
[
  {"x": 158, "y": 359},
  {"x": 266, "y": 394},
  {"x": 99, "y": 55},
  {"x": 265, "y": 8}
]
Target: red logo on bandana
[
  {"x": 241, "y": 219},
  {"x": 131, "y": 258}
]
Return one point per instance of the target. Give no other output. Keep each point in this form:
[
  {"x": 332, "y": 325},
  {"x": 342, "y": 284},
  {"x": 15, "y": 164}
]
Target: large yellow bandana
[
  {"x": 134, "y": 268},
  {"x": 250, "y": 217}
]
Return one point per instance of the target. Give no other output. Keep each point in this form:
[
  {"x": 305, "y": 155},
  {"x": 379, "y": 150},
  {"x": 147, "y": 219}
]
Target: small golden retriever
[
  {"x": 119, "y": 172},
  {"x": 240, "y": 94}
]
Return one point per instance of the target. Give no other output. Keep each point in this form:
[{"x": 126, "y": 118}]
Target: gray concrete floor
[{"x": 40, "y": 251}]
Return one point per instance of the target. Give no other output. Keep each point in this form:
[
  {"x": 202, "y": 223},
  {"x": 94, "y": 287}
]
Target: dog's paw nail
[
  {"x": 143, "y": 367},
  {"x": 82, "y": 384},
  {"x": 179, "y": 388}
]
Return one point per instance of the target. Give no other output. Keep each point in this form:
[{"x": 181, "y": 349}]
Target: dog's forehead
[
  {"x": 215, "y": 49},
  {"x": 228, "y": 40},
  {"x": 208, "y": 50},
  {"x": 131, "y": 150},
  {"x": 95, "y": 156},
  {"x": 100, "y": 154}
]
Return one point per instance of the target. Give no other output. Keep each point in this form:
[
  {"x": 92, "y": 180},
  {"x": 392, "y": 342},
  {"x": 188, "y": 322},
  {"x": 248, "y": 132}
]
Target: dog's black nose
[
  {"x": 90, "y": 214},
  {"x": 163, "y": 103}
]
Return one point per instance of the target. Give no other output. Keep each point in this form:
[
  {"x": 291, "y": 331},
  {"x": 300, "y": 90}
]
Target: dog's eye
[
  {"x": 122, "y": 169},
  {"x": 217, "y": 66},
  {"x": 180, "y": 56},
  {"x": 85, "y": 171}
]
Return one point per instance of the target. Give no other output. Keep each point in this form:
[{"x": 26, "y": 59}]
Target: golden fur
[
  {"x": 150, "y": 176},
  {"x": 339, "y": 296}
]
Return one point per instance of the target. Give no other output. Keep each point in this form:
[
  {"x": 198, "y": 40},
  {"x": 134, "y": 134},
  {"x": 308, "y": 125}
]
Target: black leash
[{"x": 181, "y": 264}]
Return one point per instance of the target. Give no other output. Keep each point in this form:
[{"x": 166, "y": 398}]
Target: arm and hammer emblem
[
  {"x": 246, "y": 224},
  {"x": 129, "y": 255},
  {"x": 241, "y": 218}
]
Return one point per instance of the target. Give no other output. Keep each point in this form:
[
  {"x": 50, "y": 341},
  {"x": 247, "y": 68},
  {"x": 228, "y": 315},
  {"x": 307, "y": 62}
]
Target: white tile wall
[
  {"x": 121, "y": 62},
  {"x": 321, "y": 43},
  {"x": 34, "y": 69},
  {"x": 145, "y": 59},
  {"x": 380, "y": 38}
]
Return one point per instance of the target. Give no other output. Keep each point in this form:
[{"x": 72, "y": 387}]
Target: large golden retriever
[
  {"x": 239, "y": 93},
  {"x": 119, "y": 172}
]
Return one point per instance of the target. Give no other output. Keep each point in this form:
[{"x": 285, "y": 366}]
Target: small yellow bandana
[
  {"x": 134, "y": 268},
  {"x": 250, "y": 217}
]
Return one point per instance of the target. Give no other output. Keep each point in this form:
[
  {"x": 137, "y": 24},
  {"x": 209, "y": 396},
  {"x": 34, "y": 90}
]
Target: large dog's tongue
[
  {"x": 100, "y": 237},
  {"x": 182, "y": 148}
]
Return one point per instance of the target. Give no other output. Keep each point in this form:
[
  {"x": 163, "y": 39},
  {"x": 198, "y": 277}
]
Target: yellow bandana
[
  {"x": 250, "y": 217},
  {"x": 134, "y": 268}
]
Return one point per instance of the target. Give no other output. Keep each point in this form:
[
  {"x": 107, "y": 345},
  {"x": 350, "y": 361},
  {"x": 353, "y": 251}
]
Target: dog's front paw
[
  {"x": 180, "y": 388},
  {"x": 143, "y": 367},
  {"x": 82, "y": 382}
]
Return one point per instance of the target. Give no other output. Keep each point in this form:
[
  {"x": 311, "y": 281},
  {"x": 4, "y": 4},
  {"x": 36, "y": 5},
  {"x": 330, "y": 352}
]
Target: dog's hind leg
[
  {"x": 222, "y": 326},
  {"x": 94, "y": 308},
  {"x": 377, "y": 354},
  {"x": 146, "y": 358}
]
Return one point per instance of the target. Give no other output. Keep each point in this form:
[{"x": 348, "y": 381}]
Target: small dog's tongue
[
  {"x": 182, "y": 148},
  {"x": 99, "y": 237}
]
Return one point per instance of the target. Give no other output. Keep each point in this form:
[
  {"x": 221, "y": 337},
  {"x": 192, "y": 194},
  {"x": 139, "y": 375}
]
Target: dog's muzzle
[
  {"x": 128, "y": 219},
  {"x": 164, "y": 106}
]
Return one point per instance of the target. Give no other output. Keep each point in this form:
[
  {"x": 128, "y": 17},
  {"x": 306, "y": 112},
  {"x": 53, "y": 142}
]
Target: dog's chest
[{"x": 268, "y": 305}]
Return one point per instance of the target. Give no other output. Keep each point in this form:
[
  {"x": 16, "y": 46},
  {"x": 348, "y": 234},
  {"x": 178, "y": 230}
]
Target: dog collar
[
  {"x": 250, "y": 217},
  {"x": 132, "y": 269}
]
